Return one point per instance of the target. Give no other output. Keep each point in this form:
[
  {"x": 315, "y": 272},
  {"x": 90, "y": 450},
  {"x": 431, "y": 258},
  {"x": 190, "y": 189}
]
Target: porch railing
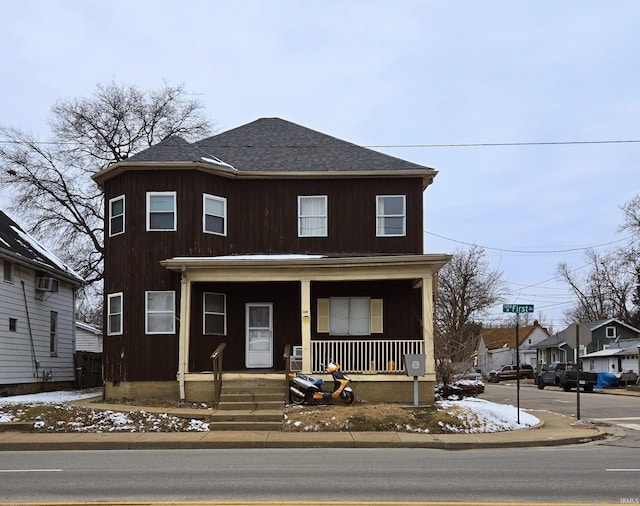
[
  {"x": 364, "y": 356},
  {"x": 216, "y": 356}
]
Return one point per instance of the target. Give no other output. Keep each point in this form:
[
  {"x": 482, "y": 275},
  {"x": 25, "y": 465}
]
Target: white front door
[{"x": 259, "y": 334}]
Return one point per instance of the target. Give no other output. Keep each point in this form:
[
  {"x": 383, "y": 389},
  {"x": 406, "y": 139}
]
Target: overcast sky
[{"x": 389, "y": 73}]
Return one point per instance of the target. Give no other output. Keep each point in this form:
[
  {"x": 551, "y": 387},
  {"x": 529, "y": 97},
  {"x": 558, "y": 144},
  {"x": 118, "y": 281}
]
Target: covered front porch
[{"x": 372, "y": 359}]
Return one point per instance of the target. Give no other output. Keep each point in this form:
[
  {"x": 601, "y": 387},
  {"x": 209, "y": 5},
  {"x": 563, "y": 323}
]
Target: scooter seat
[{"x": 316, "y": 381}]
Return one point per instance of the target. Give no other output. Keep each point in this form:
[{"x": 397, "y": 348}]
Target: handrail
[
  {"x": 216, "y": 356},
  {"x": 287, "y": 371}
]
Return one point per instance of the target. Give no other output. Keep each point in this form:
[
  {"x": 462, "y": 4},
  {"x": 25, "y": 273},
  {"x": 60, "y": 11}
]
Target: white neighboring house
[
  {"x": 88, "y": 338},
  {"x": 497, "y": 346},
  {"x": 37, "y": 322},
  {"x": 616, "y": 358}
]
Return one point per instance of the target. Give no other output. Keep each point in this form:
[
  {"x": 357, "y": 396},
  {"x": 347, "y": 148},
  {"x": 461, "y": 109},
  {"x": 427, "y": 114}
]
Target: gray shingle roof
[
  {"x": 17, "y": 245},
  {"x": 173, "y": 149},
  {"x": 274, "y": 144}
]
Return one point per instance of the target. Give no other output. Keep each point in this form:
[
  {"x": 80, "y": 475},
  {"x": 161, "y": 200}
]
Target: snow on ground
[
  {"x": 476, "y": 415},
  {"x": 484, "y": 416},
  {"x": 52, "y": 397}
]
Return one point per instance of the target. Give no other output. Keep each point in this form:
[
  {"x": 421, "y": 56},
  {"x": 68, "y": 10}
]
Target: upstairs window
[
  {"x": 312, "y": 216},
  {"x": 160, "y": 313},
  {"x": 161, "y": 211},
  {"x": 8, "y": 271},
  {"x": 215, "y": 318},
  {"x": 116, "y": 216},
  {"x": 391, "y": 215},
  {"x": 214, "y": 215},
  {"x": 114, "y": 314},
  {"x": 611, "y": 332}
]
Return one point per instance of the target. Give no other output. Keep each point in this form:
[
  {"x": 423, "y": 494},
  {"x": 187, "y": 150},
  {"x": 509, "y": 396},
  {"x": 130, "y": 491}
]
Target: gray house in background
[
  {"x": 589, "y": 338},
  {"x": 37, "y": 323}
]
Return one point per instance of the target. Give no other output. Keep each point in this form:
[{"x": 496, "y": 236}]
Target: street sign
[{"x": 517, "y": 308}]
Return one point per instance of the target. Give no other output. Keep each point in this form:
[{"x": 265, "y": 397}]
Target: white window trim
[
  {"x": 109, "y": 313},
  {"x": 111, "y": 216},
  {"x": 615, "y": 332},
  {"x": 175, "y": 212},
  {"x": 380, "y": 216},
  {"x": 325, "y": 215},
  {"x": 205, "y": 313},
  {"x": 206, "y": 196},
  {"x": 172, "y": 312}
]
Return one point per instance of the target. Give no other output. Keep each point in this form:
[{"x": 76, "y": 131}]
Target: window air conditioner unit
[
  {"x": 296, "y": 359},
  {"x": 46, "y": 284}
]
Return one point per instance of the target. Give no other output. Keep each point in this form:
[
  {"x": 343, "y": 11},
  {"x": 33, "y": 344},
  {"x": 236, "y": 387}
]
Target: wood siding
[
  {"x": 401, "y": 306},
  {"x": 261, "y": 218}
]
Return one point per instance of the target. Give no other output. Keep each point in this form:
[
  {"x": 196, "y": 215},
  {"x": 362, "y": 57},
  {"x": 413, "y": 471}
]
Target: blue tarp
[{"x": 606, "y": 380}]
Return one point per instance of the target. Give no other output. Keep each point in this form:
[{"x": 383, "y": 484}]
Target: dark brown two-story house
[{"x": 267, "y": 235}]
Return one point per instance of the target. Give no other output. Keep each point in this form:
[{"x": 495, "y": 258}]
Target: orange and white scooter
[{"x": 304, "y": 388}]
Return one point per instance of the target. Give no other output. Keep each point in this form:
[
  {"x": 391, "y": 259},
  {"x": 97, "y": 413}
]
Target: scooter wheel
[
  {"x": 297, "y": 398},
  {"x": 347, "y": 396}
]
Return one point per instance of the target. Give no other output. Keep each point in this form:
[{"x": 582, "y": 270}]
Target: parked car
[
  {"x": 565, "y": 376},
  {"x": 510, "y": 372}
]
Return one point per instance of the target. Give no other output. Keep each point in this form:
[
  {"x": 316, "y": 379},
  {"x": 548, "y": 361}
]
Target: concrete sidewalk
[{"x": 554, "y": 429}]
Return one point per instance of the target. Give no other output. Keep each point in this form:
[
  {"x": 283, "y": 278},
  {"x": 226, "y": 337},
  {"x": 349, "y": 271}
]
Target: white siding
[
  {"x": 17, "y": 349},
  {"x": 88, "y": 338}
]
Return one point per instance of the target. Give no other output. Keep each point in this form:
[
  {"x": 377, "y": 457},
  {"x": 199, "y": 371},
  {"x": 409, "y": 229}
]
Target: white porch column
[
  {"x": 427, "y": 325},
  {"x": 305, "y": 323},
  {"x": 183, "y": 334}
]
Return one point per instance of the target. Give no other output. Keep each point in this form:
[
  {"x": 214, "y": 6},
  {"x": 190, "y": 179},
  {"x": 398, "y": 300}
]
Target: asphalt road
[
  {"x": 571, "y": 474},
  {"x": 606, "y": 472},
  {"x": 598, "y": 407}
]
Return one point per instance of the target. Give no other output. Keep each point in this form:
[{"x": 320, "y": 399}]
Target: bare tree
[
  {"x": 467, "y": 288},
  {"x": 49, "y": 183},
  {"x": 606, "y": 290},
  {"x": 631, "y": 211},
  {"x": 631, "y": 224}
]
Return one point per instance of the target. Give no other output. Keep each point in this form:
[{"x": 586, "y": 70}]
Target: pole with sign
[{"x": 517, "y": 309}]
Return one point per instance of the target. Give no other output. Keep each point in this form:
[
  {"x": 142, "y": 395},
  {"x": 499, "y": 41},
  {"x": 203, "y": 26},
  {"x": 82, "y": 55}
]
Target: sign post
[{"x": 517, "y": 309}]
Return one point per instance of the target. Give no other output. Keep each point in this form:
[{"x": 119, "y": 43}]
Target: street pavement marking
[
  {"x": 624, "y": 418},
  {"x": 30, "y": 470},
  {"x": 616, "y": 421},
  {"x": 300, "y": 503},
  {"x": 632, "y": 426}
]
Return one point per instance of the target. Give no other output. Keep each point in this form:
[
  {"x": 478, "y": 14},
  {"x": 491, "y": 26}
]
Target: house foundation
[{"x": 393, "y": 389}]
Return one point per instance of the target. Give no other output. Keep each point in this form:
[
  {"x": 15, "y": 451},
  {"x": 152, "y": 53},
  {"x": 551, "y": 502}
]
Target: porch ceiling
[{"x": 312, "y": 267}]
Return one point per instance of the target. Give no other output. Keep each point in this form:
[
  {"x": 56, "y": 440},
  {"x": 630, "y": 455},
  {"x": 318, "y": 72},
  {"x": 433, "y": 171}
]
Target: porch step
[
  {"x": 250, "y": 404},
  {"x": 247, "y": 426}
]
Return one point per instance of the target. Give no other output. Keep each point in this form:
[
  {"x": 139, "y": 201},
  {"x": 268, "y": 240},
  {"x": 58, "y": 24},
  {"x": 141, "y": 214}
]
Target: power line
[
  {"x": 498, "y": 144},
  {"x": 377, "y": 146},
  {"x": 536, "y": 252}
]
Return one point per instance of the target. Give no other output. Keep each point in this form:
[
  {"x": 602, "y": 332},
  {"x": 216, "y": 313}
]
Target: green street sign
[{"x": 517, "y": 308}]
